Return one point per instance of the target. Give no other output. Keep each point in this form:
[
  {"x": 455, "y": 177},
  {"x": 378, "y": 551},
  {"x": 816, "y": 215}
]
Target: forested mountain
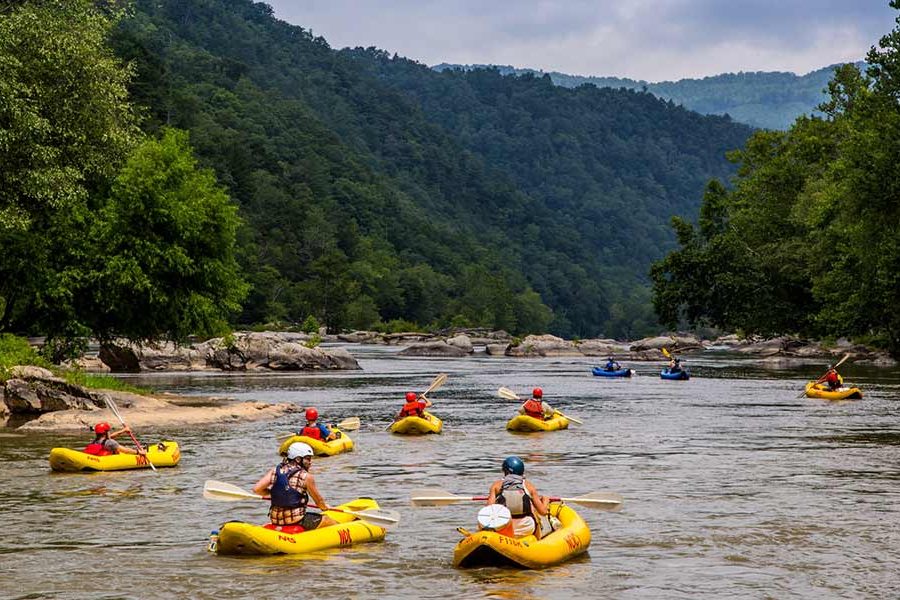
[
  {"x": 375, "y": 188},
  {"x": 768, "y": 100}
]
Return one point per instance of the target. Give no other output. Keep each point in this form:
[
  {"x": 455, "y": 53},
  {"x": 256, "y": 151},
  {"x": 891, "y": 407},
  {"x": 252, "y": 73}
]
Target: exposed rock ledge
[{"x": 57, "y": 405}]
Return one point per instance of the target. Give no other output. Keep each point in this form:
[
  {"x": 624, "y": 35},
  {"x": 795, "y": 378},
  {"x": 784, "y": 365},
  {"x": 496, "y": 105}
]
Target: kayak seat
[{"x": 292, "y": 529}]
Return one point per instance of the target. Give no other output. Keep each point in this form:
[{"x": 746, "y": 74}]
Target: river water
[{"x": 734, "y": 487}]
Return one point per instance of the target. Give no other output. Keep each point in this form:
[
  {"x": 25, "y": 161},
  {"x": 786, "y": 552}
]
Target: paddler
[
  {"x": 525, "y": 505},
  {"x": 612, "y": 365},
  {"x": 536, "y": 407},
  {"x": 289, "y": 485},
  {"x": 674, "y": 365},
  {"x": 316, "y": 430},
  {"x": 414, "y": 407},
  {"x": 831, "y": 377},
  {"x": 105, "y": 444}
]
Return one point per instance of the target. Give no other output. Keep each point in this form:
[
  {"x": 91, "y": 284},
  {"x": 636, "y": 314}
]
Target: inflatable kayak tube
[
  {"x": 816, "y": 390},
  {"x": 614, "y": 373},
  {"x": 492, "y": 549},
  {"x": 417, "y": 425},
  {"x": 683, "y": 374},
  {"x": 526, "y": 423},
  {"x": 320, "y": 448},
  {"x": 239, "y": 538},
  {"x": 163, "y": 454}
]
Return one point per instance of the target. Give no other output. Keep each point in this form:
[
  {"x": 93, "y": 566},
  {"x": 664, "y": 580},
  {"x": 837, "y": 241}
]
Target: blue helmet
[{"x": 513, "y": 464}]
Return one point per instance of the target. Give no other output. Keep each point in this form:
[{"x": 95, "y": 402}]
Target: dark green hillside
[
  {"x": 375, "y": 188},
  {"x": 769, "y": 100}
]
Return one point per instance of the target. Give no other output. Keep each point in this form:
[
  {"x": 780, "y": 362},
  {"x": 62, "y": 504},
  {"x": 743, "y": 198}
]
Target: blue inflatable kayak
[
  {"x": 615, "y": 373},
  {"x": 683, "y": 374}
]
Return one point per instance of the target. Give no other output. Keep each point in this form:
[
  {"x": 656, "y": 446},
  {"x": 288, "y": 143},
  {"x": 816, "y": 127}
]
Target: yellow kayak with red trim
[
  {"x": 492, "y": 549},
  {"x": 237, "y": 537},
  {"x": 527, "y": 423},
  {"x": 417, "y": 425},
  {"x": 163, "y": 454},
  {"x": 321, "y": 448},
  {"x": 821, "y": 390}
]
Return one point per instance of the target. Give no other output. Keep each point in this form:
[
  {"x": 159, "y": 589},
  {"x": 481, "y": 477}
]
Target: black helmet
[{"x": 514, "y": 465}]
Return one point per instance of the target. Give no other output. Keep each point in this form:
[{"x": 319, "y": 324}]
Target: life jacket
[
  {"x": 612, "y": 366},
  {"x": 97, "y": 448},
  {"x": 285, "y": 496},
  {"x": 833, "y": 379},
  {"x": 534, "y": 408},
  {"x": 412, "y": 409},
  {"x": 514, "y": 496},
  {"x": 312, "y": 432}
]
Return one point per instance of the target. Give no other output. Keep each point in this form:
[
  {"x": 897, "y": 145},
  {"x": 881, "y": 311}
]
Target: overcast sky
[{"x": 642, "y": 39}]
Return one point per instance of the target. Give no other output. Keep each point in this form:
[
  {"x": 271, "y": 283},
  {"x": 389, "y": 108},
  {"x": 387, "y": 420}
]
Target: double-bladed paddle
[
  {"x": 608, "y": 501},
  {"x": 511, "y": 395},
  {"x": 219, "y": 490}
]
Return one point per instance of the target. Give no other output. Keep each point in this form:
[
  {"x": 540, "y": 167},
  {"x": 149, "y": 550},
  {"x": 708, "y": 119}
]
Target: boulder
[
  {"x": 442, "y": 349},
  {"x": 496, "y": 349},
  {"x": 543, "y": 345},
  {"x": 653, "y": 343},
  {"x": 128, "y": 357},
  {"x": 31, "y": 372},
  {"x": 272, "y": 350},
  {"x": 463, "y": 342},
  {"x": 602, "y": 347},
  {"x": 41, "y": 395},
  {"x": 357, "y": 337},
  {"x": 88, "y": 364}
]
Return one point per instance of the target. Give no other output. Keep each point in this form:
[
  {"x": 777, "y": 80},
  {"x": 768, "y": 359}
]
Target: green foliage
[
  {"x": 17, "y": 351},
  {"x": 806, "y": 242},
  {"x": 166, "y": 238},
  {"x": 100, "y": 381},
  {"x": 310, "y": 325},
  {"x": 313, "y": 341},
  {"x": 769, "y": 100},
  {"x": 374, "y": 189}
]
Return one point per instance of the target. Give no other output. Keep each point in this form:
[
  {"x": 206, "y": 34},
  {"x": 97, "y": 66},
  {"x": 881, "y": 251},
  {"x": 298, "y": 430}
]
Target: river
[{"x": 733, "y": 487}]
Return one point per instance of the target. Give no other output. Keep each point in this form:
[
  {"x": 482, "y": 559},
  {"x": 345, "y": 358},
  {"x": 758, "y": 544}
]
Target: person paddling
[
  {"x": 832, "y": 378},
  {"x": 536, "y": 407},
  {"x": 517, "y": 494},
  {"x": 414, "y": 407},
  {"x": 612, "y": 365},
  {"x": 675, "y": 365},
  {"x": 289, "y": 485},
  {"x": 105, "y": 444},
  {"x": 316, "y": 430}
]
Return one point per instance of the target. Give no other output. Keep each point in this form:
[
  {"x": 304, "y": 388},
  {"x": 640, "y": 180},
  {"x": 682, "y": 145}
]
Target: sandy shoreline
[{"x": 161, "y": 410}]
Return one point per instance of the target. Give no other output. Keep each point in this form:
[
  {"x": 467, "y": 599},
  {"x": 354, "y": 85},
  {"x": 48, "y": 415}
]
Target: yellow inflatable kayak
[
  {"x": 526, "y": 423},
  {"x": 491, "y": 549},
  {"x": 821, "y": 390},
  {"x": 417, "y": 425},
  {"x": 237, "y": 537},
  {"x": 335, "y": 446},
  {"x": 163, "y": 454}
]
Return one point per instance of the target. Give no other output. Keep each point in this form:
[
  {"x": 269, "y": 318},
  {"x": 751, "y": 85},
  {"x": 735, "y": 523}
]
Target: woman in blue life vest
[
  {"x": 316, "y": 430},
  {"x": 536, "y": 407},
  {"x": 104, "y": 443},
  {"x": 611, "y": 365},
  {"x": 289, "y": 485},
  {"x": 414, "y": 407},
  {"x": 521, "y": 498}
]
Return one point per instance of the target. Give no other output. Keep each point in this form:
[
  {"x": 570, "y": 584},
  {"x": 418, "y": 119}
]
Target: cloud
[{"x": 642, "y": 39}]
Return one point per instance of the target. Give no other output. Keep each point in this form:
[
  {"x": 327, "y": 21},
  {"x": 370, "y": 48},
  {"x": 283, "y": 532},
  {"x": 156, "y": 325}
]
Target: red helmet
[
  {"x": 411, "y": 396},
  {"x": 537, "y": 393},
  {"x": 312, "y": 414},
  {"x": 101, "y": 428}
]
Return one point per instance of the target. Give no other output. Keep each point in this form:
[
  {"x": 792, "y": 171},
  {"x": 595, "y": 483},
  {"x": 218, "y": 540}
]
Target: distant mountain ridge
[{"x": 763, "y": 99}]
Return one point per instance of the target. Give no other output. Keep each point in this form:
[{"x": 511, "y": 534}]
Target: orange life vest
[
  {"x": 412, "y": 409},
  {"x": 534, "y": 408},
  {"x": 96, "y": 449},
  {"x": 311, "y": 432}
]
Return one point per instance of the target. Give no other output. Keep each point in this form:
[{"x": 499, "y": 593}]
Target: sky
[{"x": 654, "y": 40}]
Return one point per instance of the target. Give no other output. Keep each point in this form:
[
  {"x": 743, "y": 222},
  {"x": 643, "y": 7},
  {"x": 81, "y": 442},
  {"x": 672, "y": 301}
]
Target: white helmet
[{"x": 299, "y": 450}]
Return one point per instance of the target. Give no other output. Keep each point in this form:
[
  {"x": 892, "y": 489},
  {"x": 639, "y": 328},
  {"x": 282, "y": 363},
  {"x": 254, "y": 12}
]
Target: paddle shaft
[{"x": 115, "y": 411}]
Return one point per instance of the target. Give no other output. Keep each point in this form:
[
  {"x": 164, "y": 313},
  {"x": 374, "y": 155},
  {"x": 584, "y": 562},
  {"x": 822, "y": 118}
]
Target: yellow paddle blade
[
  {"x": 434, "y": 497},
  {"x": 349, "y": 424},
  {"x": 438, "y": 382},
  {"x": 508, "y": 394},
  {"x": 219, "y": 490},
  {"x": 608, "y": 501},
  {"x": 666, "y": 353}
]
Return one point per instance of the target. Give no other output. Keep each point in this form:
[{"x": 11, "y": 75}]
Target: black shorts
[{"x": 311, "y": 520}]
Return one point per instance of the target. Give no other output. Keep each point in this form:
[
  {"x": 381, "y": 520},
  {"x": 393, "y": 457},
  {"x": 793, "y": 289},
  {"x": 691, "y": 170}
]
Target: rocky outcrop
[
  {"x": 496, "y": 349},
  {"x": 88, "y": 364},
  {"x": 442, "y": 349},
  {"x": 602, "y": 347},
  {"x": 463, "y": 342},
  {"x": 680, "y": 343},
  {"x": 277, "y": 351},
  {"x": 34, "y": 391},
  {"x": 543, "y": 345}
]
